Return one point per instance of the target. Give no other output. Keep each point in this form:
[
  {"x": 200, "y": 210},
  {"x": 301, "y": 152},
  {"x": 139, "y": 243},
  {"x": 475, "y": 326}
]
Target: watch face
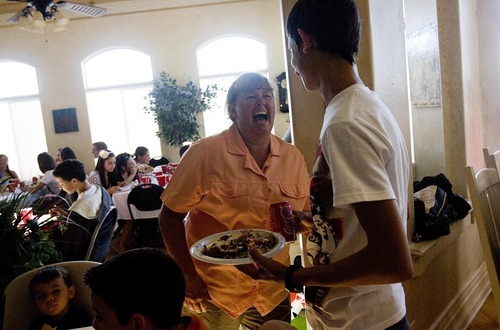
[{"x": 283, "y": 83}]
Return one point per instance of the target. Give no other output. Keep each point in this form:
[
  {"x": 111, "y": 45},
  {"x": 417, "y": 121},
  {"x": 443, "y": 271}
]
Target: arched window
[
  {"x": 220, "y": 62},
  {"x": 23, "y": 132},
  {"x": 117, "y": 82}
]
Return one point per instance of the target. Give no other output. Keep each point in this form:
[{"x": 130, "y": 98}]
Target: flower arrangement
[{"x": 175, "y": 108}]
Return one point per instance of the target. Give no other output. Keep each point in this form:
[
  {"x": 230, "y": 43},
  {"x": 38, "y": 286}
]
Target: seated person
[
  {"x": 126, "y": 169},
  {"x": 63, "y": 154},
  {"x": 48, "y": 183},
  {"x": 5, "y": 172},
  {"x": 139, "y": 289},
  {"x": 93, "y": 203},
  {"x": 142, "y": 159},
  {"x": 105, "y": 172},
  {"x": 97, "y": 147},
  {"x": 52, "y": 290}
]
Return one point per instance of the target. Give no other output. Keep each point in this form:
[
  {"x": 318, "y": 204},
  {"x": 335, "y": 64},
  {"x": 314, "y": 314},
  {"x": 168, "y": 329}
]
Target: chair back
[
  {"x": 20, "y": 310},
  {"x": 143, "y": 198},
  {"x": 144, "y": 205},
  {"x": 492, "y": 160},
  {"x": 158, "y": 160},
  {"x": 484, "y": 188},
  {"x": 101, "y": 237}
]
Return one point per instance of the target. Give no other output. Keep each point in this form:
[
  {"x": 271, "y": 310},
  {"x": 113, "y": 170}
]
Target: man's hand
[{"x": 264, "y": 269}]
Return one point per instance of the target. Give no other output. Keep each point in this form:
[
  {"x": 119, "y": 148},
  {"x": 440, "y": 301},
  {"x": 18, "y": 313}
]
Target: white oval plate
[{"x": 197, "y": 248}]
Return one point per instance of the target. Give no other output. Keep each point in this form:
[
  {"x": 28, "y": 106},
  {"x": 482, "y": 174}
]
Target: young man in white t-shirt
[{"x": 358, "y": 244}]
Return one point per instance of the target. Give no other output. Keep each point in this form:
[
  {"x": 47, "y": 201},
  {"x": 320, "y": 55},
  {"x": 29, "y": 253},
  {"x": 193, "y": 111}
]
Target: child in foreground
[{"x": 52, "y": 290}]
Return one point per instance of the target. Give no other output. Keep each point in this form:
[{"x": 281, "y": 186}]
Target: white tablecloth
[{"x": 120, "y": 202}]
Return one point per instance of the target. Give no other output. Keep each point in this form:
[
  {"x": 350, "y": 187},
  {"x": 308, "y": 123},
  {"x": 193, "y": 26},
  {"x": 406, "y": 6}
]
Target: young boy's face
[{"x": 52, "y": 298}]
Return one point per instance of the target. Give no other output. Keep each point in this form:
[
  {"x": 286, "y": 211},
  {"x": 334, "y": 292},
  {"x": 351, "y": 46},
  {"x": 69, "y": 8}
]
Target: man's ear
[
  {"x": 138, "y": 321},
  {"x": 71, "y": 292},
  {"x": 307, "y": 41}
]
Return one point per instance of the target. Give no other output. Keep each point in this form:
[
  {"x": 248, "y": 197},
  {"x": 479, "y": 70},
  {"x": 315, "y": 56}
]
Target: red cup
[
  {"x": 145, "y": 179},
  {"x": 158, "y": 174},
  {"x": 281, "y": 220},
  {"x": 164, "y": 169},
  {"x": 162, "y": 180}
]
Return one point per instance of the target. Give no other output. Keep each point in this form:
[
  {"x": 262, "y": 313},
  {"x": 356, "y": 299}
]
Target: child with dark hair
[
  {"x": 52, "y": 290},
  {"x": 142, "y": 287},
  {"x": 105, "y": 172}
]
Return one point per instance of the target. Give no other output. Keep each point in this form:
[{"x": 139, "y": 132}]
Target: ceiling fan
[{"x": 48, "y": 9}]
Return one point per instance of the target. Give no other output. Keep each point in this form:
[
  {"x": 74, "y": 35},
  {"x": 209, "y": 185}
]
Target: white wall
[{"x": 170, "y": 37}]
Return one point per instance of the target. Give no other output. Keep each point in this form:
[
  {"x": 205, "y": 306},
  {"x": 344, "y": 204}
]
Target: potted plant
[{"x": 175, "y": 108}]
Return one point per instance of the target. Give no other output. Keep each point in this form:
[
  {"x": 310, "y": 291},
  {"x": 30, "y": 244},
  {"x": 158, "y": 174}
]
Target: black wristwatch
[{"x": 289, "y": 285}]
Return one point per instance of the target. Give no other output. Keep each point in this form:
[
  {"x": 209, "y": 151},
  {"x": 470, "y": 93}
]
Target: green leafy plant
[
  {"x": 23, "y": 244},
  {"x": 175, "y": 108}
]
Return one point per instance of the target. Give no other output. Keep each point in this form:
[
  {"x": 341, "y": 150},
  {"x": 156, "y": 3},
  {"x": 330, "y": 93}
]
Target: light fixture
[
  {"x": 60, "y": 19},
  {"x": 35, "y": 16}
]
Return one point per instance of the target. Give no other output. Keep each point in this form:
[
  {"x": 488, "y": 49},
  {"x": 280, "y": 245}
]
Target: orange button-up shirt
[{"x": 221, "y": 186}]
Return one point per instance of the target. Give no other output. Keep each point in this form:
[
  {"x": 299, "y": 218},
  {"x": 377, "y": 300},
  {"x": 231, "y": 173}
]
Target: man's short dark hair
[
  {"x": 145, "y": 281},
  {"x": 100, "y": 145},
  {"x": 70, "y": 169},
  {"x": 334, "y": 23}
]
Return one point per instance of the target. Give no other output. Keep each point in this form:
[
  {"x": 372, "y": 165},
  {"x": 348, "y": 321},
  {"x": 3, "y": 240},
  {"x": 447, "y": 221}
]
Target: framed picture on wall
[{"x": 65, "y": 120}]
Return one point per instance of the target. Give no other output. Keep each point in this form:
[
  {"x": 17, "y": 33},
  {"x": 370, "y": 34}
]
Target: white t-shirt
[
  {"x": 50, "y": 181},
  {"x": 88, "y": 203},
  {"x": 364, "y": 155}
]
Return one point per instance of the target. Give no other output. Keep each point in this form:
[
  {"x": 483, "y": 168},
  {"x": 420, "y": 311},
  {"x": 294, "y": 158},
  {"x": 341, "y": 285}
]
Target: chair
[
  {"x": 492, "y": 160},
  {"x": 157, "y": 161},
  {"x": 101, "y": 237},
  {"x": 20, "y": 310},
  {"x": 484, "y": 188},
  {"x": 144, "y": 205}
]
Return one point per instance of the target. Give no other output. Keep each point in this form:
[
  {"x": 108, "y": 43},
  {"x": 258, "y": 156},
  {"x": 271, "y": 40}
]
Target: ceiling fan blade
[
  {"x": 20, "y": 13},
  {"x": 82, "y": 9}
]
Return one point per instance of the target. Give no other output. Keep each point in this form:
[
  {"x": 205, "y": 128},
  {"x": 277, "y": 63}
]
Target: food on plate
[{"x": 236, "y": 246}]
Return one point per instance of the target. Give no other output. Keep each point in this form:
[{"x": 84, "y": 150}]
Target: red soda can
[{"x": 281, "y": 220}]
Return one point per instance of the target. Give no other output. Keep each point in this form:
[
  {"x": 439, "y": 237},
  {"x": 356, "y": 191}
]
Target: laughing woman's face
[{"x": 254, "y": 112}]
